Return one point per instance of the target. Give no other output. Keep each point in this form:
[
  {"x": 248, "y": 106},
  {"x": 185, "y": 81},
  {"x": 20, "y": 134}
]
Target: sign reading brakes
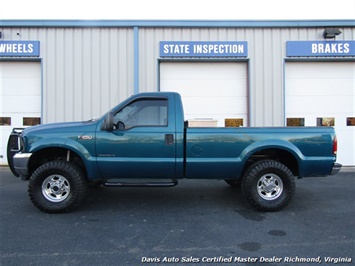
[
  {"x": 203, "y": 49},
  {"x": 323, "y": 48},
  {"x": 19, "y": 48}
]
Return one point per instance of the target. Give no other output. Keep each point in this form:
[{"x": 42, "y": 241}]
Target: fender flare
[
  {"x": 273, "y": 144},
  {"x": 68, "y": 144}
]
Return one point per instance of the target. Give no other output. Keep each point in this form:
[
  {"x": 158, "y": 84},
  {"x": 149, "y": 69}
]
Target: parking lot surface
[{"x": 198, "y": 222}]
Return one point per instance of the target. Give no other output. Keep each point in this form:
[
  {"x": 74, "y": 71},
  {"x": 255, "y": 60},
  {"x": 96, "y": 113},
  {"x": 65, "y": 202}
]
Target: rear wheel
[
  {"x": 268, "y": 185},
  {"x": 57, "y": 186}
]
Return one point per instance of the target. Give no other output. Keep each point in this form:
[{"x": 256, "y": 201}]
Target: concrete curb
[{"x": 347, "y": 169}]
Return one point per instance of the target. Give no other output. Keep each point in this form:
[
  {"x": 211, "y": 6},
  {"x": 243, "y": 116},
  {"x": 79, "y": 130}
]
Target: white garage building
[{"x": 229, "y": 73}]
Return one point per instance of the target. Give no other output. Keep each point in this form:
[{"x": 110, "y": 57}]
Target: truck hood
[{"x": 60, "y": 127}]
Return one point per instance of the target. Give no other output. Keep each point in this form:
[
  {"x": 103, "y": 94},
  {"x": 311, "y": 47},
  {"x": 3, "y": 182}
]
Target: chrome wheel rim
[
  {"x": 56, "y": 188},
  {"x": 270, "y": 187}
]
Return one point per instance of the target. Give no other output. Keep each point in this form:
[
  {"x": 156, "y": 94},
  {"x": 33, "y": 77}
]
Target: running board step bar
[{"x": 141, "y": 184}]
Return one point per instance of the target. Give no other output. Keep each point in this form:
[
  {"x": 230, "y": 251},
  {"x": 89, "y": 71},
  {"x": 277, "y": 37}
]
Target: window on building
[
  {"x": 295, "y": 122},
  {"x": 31, "y": 121},
  {"x": 233, "y": 122},
  {"x": 325, "y": 121},
  {"x": 5, "y": 121},
  {"x": 350, "y": 121}
]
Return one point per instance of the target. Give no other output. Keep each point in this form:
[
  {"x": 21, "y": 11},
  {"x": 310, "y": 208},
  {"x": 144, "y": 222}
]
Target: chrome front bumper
[{"x": 20, "y": 161}]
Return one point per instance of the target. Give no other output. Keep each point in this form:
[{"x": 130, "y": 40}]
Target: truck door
[{"x": 142, "y": 143}]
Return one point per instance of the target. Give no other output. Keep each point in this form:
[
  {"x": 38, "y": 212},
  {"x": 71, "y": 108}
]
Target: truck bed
[{"x": 218, "y": 152}]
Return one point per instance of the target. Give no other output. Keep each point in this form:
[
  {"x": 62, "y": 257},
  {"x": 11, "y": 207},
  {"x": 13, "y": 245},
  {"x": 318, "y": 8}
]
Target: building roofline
[{"x": 180, "y": 23}]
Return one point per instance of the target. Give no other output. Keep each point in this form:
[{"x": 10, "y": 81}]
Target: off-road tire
[
  {"x": 57, "y": 186},
  {"x": 268, "y": 185}
]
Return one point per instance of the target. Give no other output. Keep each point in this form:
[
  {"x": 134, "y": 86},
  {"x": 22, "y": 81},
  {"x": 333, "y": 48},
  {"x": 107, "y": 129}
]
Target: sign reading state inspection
[
  {"x": 19, "y": 48},
  {"x": 323, "y": 48},
  {"x": 203, "y": 49}
]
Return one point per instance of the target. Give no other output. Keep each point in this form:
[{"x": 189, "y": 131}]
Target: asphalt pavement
[{"x": 198, "y": 222}]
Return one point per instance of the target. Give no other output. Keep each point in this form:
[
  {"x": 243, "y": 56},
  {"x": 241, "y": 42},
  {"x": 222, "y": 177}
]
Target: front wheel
[
  {"x": 57, "y": 186},
  {"x": 268, "y": 185}
]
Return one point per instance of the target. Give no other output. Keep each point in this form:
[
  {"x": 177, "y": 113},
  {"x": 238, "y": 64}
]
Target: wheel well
[
  {"x": 53, "y": 154},
  {"x": 282, "y": 156}
]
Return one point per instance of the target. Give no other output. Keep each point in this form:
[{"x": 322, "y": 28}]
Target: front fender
[
  {"x": 84, "y": 151},
  {"x": 84, "y": 148}
]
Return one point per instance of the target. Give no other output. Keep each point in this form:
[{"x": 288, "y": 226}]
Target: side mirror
[
  {"x": 108, "y": 123},
  {"x": 120, "y": 125}
]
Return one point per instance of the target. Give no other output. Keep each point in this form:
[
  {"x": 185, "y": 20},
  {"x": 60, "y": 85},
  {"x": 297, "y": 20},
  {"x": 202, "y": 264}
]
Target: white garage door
[
  {"x": 20, "y": 90},
  {"x": 323, "y": 93},
  {"x": 214, "y": 91}
]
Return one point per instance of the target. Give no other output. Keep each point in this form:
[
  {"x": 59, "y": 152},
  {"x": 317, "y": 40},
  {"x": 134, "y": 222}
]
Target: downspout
[{"x": 136, "y": 61}]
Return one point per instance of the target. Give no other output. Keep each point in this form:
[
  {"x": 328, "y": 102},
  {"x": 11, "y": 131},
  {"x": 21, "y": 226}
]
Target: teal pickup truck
[{"x": 144, "y": 141}]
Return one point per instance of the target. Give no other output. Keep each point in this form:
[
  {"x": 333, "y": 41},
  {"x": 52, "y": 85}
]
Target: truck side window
[{"x": 143, "y": 112}]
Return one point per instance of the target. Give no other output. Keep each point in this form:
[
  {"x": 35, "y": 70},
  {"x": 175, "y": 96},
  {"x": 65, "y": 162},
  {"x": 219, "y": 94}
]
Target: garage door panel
[
  {"x": 319, "y": 89},
  {"x": 191, "y": 87},
  {"x": 217, "y": 108},
  {"x": 203, "y": 67},
  {"x": 22, "y": 103},
  {"x": 20, "y": 88},
  {"x": 324, "y": 70},
  {"x": 324, "y": 90},
  {"x": 21, "y": 69},
  {"x": 324, "y": 104},
  {"x": 209, "y": 90},
  {"x": 207, "y": 93},
  {"x": 221, "y": 100}
]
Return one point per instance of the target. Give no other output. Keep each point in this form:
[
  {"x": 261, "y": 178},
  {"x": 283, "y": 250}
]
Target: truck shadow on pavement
[
  {"x": 206, "y": 196},
  {"x": 188, "y": 194}
]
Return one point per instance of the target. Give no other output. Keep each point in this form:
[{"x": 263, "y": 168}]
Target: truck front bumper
[
  {"x": 336, "y": 168},
  {"x": 20, "y": 161}
]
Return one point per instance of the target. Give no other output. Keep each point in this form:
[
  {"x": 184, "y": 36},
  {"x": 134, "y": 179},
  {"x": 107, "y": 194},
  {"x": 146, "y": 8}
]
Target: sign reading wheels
[
  {"x": 19, "y": 48},
  {"x": 203, "y": 49}
]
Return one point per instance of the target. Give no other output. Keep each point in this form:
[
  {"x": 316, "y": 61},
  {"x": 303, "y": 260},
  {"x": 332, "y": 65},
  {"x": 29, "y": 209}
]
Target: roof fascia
[{"x": 180, "y": 23}]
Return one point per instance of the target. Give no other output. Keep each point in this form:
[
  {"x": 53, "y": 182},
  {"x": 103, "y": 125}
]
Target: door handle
[{"x": 169, "y": 139}]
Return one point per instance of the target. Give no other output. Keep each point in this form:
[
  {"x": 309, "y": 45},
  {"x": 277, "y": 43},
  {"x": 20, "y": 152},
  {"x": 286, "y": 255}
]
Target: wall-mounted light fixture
[{"x": 330, "y": 33}]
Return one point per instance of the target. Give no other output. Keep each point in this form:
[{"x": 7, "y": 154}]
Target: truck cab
[{"x": 143, "y": 133}]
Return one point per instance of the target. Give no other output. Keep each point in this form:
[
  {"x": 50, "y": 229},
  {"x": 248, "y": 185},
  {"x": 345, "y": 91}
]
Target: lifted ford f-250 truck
[{"x": 144, "y": 141}]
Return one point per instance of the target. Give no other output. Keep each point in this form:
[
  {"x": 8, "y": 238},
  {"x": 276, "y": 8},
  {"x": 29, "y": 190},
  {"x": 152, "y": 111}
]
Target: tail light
[{"x": 335, "y": 145}]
